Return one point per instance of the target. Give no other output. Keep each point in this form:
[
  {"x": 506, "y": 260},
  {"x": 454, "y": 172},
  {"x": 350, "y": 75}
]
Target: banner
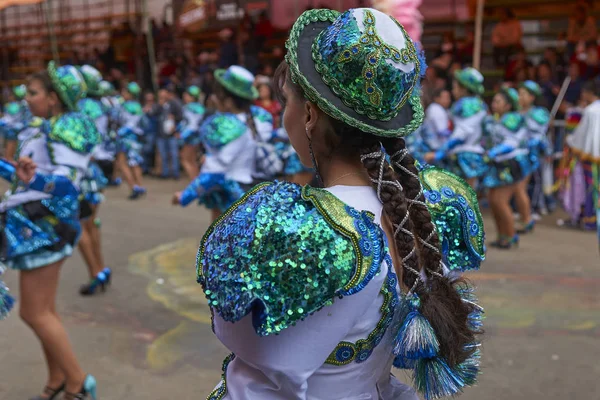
[
  {"x": 197, "y": 15},
  {"x": 7, "y": 3}
]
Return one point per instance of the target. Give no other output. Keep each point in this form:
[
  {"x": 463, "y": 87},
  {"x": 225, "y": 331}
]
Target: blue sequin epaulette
[
  {"x": 512, "y": 121},
  {"x": 540, "y": 115},
  {"x": 261, "y": 114},
  {"x": 133, "y": 107},
  {"x": 91, "y": 107},
  {"x": 12, "y": 108},
  {"x": 195, "y": 108},
  {"x": 75, "y": 130},
  {"x": 283, "y": 252},
  {"x": 454, "y": 209},
  {"x": 467, "y": 107},
  {"x": 220, "y": 129}
]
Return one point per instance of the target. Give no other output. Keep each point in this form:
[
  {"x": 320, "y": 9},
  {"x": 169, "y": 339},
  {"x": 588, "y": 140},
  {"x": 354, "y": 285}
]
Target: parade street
[{"x": 149, "y": 336}]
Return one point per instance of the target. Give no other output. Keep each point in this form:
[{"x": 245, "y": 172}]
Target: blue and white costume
[
  {"x": 508, "y": 154},
  {"x": 40, "y": 219},
  {"x": 16, "y": 118},
  {"x": 6, "y": 300},
  {"x": 291, "y": 161},
  {"x": 536, "y": 121},
  {"x": 189, "y": 127},
  {"x": 129, "y": 133}
]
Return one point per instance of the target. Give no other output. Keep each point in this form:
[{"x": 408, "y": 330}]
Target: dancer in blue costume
[
  {"x": 230, "y": 138},
  {"x": 508, "y": 163},
  {"x": 189, "y": 130},
  {"x": 16, "y": 118},
  {"x": 92, "y": 185},
  {"x": 436, "y": 128},
  {"x": 40, "y": 217},
  {"x": 129, "y": 143},
  {"x": 537, "y": 120},
  {"x": 463, "y": 152},
  {"x": 6, "y": 300},
  {"x": 317, "y": 292},
  {"x": 105, "y": 153}
]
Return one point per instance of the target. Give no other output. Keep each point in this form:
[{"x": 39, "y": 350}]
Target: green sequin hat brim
[
  {"x": 251, "y": 94},
  {"x": 476, "y": 88},
  {"x": 61, "y": 89},
  {"x": 536, "y": 91},
  {"x": 303, "y": 72},
  {"x": 20, "y": 92},
  {"x": 512, "y": 98},
  {"x": 194, "y": 91}
]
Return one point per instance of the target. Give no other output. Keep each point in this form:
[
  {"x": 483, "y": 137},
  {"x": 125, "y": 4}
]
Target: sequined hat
[
  {"x": 134, "y": 89},
  {"x": 68, "y": 83},
  {"x": 513, "y": 97},
  {"x": 238, "y": 80},
  {"x": 107, "y": 88},
  {"x": 193, "y": 91},
  {"x": 471, "y": 79},
  {"x": 20, "y": 92},
  {"x": 532, "y": 87},
  {"x": 92, "y": 78},
  {"x": 360, "y": 67}
]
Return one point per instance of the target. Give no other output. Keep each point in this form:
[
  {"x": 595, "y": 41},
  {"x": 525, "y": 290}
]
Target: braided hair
[{"x": 398, "y": 188}]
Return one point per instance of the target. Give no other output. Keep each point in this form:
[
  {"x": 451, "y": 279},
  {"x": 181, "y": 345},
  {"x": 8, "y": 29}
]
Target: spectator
[
  {"x": 465, "y": 49},
  {"x": 591, "y": 68},
  {"x": 573, "y": 92},
  {"x": 208, "y": 82},
  {"x": 264, "y": 29},
  {"x": 582, "y": 28},
  {"x": 249, "y": 49},
  {"x": 448, "y": 45},
  {"x": 150, "y": 126},
  {"x": 506, "y": 37},
  {"x": 267, "y": 101},
  {"x": 555, "y": 62},
  {"x": 228, "y": 51},
  {"x": 518, "y": 62},
  {"x": 549, "y": 87},
  {"x": 169, "y": 116}
]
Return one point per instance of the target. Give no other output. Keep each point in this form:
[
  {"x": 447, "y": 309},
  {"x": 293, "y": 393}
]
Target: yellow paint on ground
[{"x": 165, "y": 351}]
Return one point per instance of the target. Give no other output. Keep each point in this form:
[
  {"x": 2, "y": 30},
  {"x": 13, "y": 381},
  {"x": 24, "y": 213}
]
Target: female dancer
[
  {"x": 536, "y": 119},
  {"x": 39, "y": 217},
  {"x": 193, "y": 112},
  {"x": 129, "y": 144},
  {"x": 507, "y": 164},
  {"x": 6, "y": 300},
  {"x": 436, "y": 127},
  {"x": 16, "y": 118},
  {"x": 105, "y": 152},
  {"x": 303, "y": 288},
  {"x": 463, "y": 152},
  {"x": 230, "y": 139},
  {"x": 92, "y": 185}
]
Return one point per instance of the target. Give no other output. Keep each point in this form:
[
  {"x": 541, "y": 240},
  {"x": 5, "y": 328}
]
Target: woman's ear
[{"x": 311, "y": 117}]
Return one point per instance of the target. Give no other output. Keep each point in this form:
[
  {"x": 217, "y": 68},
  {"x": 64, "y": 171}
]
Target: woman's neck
[
  {"x": 342, "y": 171},
  {"x": 525, "y": 109}
]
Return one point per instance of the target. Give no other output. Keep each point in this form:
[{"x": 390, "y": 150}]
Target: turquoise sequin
[
  {"x": 12, "y": 108},
  {"x": 261, "y": 114},
  {"x": 512, "y": 121},
  {"x": 133, "y": 107},
  {"x": 75, "y": 130},
  {"x": 195, "y": 108},
  {"x": 539, "y": 115},
  {"x": 220, "y": 129},
  {"x": 91, "y": 107},
  {"x": 467, "y": 107},
  {"x": 278, "y": 255}
]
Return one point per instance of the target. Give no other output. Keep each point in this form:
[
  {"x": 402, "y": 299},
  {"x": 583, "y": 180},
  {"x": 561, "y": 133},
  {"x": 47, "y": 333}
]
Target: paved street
[{"x": 149, "y": 336}]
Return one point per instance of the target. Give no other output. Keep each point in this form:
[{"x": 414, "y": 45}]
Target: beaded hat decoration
[
  {"x": 92, "y": 78},
  {"x": 20, "y": 92},
  {"x": 106, "y": 88},
  {"x": 134, "y": 89},
  {"x": 532, "y": 87},
  {"x": 360, "y": 67},
  {"x": 68, "y": 83},
  {"x": 193, "y": 91},
  {"x": 237, "y": 80},
  {"x": 513, "y": 97},
  {"x": 471, "y": 79}
]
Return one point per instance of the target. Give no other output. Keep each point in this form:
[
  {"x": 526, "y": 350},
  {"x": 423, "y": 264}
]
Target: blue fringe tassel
[
  {"x": 404, "y": 363},
  {"x": 435, "y": 379},
  {"x": 6, "y": 301},
  {"x": 416, "y": 338}
]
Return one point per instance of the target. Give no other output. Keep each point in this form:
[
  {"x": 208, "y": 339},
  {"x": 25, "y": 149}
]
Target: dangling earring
[{"x": 313, "y": 159}]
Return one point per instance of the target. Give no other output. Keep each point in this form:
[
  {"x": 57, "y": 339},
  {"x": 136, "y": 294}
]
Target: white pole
[
  {"x": 150, "y": 45},
  {"x": 478, "y": 34}
]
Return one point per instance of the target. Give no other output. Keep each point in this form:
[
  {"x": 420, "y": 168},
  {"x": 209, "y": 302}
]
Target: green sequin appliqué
[
  {"x": 90, "y": 107},
  {"x": 220, "y": 129},
  {"x": 540, "y": 115},
  {"x": 133, "y": 107},
  {"x": 196, "y": 108},
  {"x": 76, "y": 131},
  {"x": 12, "y": 108},
  {"x": 467, "y": 107},
  {"x": 220, "y": 392},
  {"x": 512, "y": 121}
]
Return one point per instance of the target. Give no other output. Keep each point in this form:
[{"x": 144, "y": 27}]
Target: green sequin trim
[
  {"x": 365, "y": 346},
  {"x": 220, "y": 392},
  {"x": 12, "y": 108},
  {"x": 312, "y": 16},
  {"x": 62, "y": 89},
  {"x": 512, "y": 121}
]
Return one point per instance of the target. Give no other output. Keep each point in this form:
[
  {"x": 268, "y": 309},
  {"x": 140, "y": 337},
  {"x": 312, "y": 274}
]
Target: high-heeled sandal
[
  {"x": 51, "y": 392},
  {"x": 88, "y": 390},
  {"x": 100, "y": 281},
  {"x": 527, "y": 228},
  {"x": 506, "y": 243}
]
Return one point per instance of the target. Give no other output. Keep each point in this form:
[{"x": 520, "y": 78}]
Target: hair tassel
[
  {"x": 434, "y": 378},
  {"x": 416, "y": 338}
]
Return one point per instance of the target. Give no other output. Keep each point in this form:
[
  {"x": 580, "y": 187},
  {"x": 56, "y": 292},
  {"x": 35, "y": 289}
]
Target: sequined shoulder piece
[
  {"x": 196, "y": 108},
  {"x": 91, "y": 107},
  {"x": 76, "y": 131},
  {"x": 261, "y": 114},
  {"x": 36, "y": 122},
  {"x": 220, "y": 129},
  {"x": 512, "y": 121},
  {"x": 540, "y": 115},
  {"x": 467, "y": 107},
  {"x": 283, "y": 252},
  {"x": 133, "y": 107},
  {"x": 12, "y": 108},
  {"x": 455, "y": 212}
]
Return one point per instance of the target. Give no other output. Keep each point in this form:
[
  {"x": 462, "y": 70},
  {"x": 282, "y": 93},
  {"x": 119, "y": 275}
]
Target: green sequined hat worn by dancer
[
  {"x": 92, "y": 78},
  {"x": 68, "y": 83}
]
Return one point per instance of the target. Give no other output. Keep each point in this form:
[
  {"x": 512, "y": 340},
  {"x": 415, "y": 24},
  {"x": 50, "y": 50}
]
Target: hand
[
  {"x": 429, "y": 157},
  {"x": 25, "y": 169},
  {"x": 176, "y": 200}
]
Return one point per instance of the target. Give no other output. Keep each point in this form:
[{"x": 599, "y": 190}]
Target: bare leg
[
  {"x": 522, "y": 201},
  {"x": 38, "y": 296},
  {"x": 125, "y": 170},
  {"x": 188, "y": 161},
  {"x": 86, "y": 247},
  {"x": 505, "y": 221},
  {"x": 11, "y": 149},
  {"x": 137, "y": 175},
  {"x": 472, "y": 182},
  {"x": 96, "y": 238}
]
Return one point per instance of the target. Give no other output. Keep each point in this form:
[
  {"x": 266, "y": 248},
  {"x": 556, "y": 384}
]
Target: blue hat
[
  {"x": 513, "y": 97},
  {"x": 68, "y": 83},
  {"x": 134, "y": 89},
  {"x": 237, "y": 80},
  {"x": 471, "y": 79},
  {"x": 106, "y": 88},
  {"x": 359, "y": 67},
  {"x": 20, "y": 92},
  {"x": 532, "y": 87},
  {"x": 193, "y": 91}
]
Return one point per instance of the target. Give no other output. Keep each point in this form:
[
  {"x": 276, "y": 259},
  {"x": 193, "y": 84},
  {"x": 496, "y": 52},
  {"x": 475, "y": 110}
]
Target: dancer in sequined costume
[
  {"x": 508, "y": 163},
  {"x": 303, "y": 282},
  {"x": 39, "y": 216},
  {"x": 92, "y": 185},
  {"x": 189, "y": 130},
  {"x": 16, "y": 118},
  {"x": 105, "y": 152},
  {"x": 230, "y": 138}
]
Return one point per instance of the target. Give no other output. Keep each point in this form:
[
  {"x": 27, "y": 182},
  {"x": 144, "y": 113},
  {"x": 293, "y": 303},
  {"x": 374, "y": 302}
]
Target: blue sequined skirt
[
  {"x": 223, "y": 196},
  {"x": 193, "y": 139},
  {"x": 93, "y": 183},
  {"x": 536, "y": 153},
  {"x": 503, "y": 173},
  {"x": 466, "y": 165},
  {"x": 6, "y": 300},
  {"x": 39, "y": 233},
  {"x": 132, "y": 148}
]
